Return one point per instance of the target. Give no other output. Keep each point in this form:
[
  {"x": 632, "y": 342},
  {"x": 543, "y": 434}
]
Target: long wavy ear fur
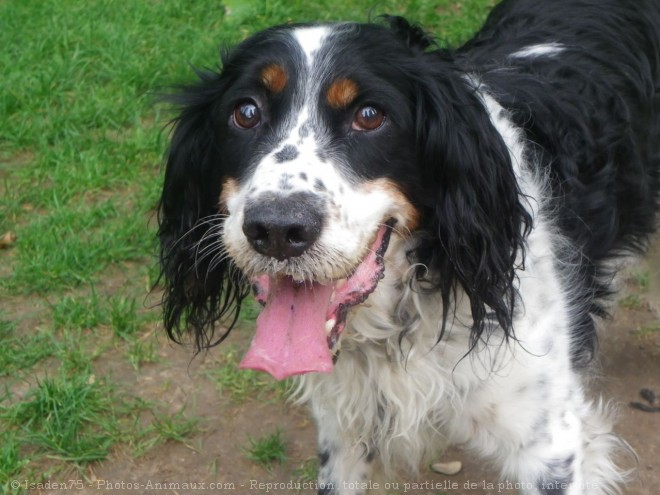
[
  {"x": 475, "y": 225},
  {"x": 202, "y": 288}
]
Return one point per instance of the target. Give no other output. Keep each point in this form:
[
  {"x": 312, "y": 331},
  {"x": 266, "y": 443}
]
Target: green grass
[
  {"x": 11, "y": 461},
  {"x": 76, "y": 419},
  {"x": 69, "y": 418},
  {"x": 632, "y": 301},
  {"x": 307, "y": 470},
  {"x": 123, "y": 316},
  {"x": 642, "y": 279},
  {"x": 267, "y": 450},
  {"x": 177, "y": 427},
  {"x": 78, "y": 312},
  {"x": 243, "y": 385},
  {"x": 18, "y": 353},
  {"x": 649, "y": 330},
  {"x": 141, "y": 353},
  {"x": 81, "y": 147}
]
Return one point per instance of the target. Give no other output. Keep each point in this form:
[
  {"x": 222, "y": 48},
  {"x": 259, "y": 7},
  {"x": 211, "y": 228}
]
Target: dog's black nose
[{"x": 283, "y": 226}]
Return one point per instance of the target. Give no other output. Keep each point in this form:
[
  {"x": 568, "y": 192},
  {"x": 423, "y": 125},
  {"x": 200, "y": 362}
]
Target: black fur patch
[{"x": 286, "y": 154}]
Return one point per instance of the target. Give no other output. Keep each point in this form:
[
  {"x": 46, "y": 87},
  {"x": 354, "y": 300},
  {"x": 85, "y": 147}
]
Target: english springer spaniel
[{"x": 431, "y": 232}]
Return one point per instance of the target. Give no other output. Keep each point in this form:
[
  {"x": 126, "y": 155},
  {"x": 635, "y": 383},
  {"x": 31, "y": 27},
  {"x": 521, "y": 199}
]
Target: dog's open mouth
[{"x": 299, "y": 328}]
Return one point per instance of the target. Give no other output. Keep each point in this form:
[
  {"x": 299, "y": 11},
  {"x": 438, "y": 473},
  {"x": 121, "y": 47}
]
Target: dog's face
[
  {"x": 292, "y": 168},
  {"x": 325, "y": 159},
  {"x": 319, "y": 132}
]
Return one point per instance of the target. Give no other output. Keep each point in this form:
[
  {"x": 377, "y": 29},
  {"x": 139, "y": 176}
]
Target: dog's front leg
[{"x": 344, "y": 463}]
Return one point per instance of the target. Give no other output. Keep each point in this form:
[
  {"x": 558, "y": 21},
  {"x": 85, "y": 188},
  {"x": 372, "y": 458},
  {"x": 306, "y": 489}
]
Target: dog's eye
[
  {"x": 247, "y": 115},
  {"x": 368, "y": 118}
]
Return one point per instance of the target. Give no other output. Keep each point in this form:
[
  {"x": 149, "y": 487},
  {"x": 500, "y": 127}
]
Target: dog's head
[{"x": 290, "y": 170}]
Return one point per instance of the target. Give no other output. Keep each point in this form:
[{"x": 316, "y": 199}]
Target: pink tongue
[{"x": 290, "y": 338}]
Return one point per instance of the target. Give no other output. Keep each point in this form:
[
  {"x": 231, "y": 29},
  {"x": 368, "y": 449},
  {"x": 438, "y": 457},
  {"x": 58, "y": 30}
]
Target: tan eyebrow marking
[
  {"x": 274, "y": 78},
  {"x": 342, "y": 93}
]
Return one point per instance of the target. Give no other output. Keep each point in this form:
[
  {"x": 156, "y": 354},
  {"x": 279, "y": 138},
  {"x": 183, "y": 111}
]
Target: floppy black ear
[
  {"x": 474, "y": 222},
  {"x": 202, "y": 288}
]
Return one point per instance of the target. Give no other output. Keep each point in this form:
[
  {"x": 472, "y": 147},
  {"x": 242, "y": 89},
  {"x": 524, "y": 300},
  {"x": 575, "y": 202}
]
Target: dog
[{"x": 432, "y": 233}]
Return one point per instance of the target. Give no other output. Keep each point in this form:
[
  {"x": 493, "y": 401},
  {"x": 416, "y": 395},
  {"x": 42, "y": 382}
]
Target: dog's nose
[{"x": 283, "y": 226}]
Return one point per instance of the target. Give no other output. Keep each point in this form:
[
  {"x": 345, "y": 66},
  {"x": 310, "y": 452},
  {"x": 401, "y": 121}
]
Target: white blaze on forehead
[
  {"x": 310, "y": 40},
  {"x": 302, "y": 125},
  {"x": 297, "y": 136}
]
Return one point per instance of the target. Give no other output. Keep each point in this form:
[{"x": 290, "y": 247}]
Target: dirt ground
[{"x": 213, "y": 459}]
